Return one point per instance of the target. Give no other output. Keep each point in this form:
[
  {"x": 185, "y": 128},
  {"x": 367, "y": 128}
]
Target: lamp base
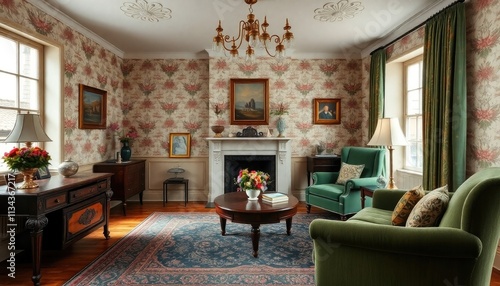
[
  {"x": 391, "y": 185},
  {"x": 28, "y": 179}
]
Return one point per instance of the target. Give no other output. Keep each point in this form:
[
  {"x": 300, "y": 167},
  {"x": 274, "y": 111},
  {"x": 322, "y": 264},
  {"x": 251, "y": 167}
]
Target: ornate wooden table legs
[{"x": 36, "y": 225}]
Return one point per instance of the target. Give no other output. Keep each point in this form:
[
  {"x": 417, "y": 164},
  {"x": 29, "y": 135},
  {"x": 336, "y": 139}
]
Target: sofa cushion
[
  {"x": 406, "y": 204},
  {"x": 372, "y": 215},
  {"x": 429, "y": 209},
  {"x": 348, "y": 172}
]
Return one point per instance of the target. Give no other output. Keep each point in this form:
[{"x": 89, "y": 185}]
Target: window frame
[
  {"x": 406, "y": 116},
  {"x": 40, "y": 82}
]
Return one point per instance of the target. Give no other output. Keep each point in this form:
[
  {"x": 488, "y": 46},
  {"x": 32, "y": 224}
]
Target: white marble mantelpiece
[{"x": 220, "y": 147}]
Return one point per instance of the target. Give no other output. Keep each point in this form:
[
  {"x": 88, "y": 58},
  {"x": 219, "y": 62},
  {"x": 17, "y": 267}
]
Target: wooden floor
[{"x": 59, "y": 266}]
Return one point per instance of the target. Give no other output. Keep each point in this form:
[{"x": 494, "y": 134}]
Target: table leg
[
  {"x": 288, "y": 225},
  {"x": 36, "y": 225},
  {"x": 109, "y": 194},
  {"x": 186, "y": 193},
  {"x": 164, "y": 193},
  {"x": 362, "y": 198},
  {"x": 223, "y": 225},
  {"x": 255, "y": 239}
]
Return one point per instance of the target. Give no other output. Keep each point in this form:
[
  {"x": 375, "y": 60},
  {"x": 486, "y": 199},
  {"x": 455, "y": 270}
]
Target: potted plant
[
  {"x": 218, "y": 129},
  {"x": 27, "y": 160}
]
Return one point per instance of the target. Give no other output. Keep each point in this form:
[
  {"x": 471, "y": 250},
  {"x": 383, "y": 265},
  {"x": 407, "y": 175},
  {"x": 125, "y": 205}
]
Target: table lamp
[
  {"x": 388, "y": 133},
  {"x": 27, "y": 129}
]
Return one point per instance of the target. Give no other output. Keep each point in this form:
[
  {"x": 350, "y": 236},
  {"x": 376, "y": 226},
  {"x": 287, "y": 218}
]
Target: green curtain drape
[
  {"x": 377, "y": 89},
  {"x": 444, "y": 99}
]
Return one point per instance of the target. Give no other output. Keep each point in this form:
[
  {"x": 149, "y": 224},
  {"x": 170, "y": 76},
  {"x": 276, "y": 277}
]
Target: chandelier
[{"x": 254, "y": 35}]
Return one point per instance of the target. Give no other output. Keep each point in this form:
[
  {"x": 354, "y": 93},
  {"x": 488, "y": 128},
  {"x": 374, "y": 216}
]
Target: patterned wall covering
[
  {"x": 296, "y": 84},
  {"x": 84, "y": 62}
]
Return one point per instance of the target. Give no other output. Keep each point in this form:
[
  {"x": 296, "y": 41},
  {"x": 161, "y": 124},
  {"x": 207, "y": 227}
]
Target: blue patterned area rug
[{"x": 188, "y": 249}]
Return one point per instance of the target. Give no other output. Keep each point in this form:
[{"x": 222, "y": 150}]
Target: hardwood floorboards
[{"x": 60, "y": 266}]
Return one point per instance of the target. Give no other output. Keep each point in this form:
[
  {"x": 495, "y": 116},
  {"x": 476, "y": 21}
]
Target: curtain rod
[{"x": 416, "y": 27}]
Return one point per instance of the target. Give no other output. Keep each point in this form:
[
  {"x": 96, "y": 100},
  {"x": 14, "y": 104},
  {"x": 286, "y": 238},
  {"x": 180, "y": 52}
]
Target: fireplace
[
  {"x": 234, "y": 163},
  {"x": 246, "y": 151}
]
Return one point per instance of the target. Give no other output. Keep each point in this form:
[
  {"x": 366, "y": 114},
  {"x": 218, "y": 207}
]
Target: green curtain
[
  {"x": 377, "y": 89},
  {"x": 444, "y": 99}
]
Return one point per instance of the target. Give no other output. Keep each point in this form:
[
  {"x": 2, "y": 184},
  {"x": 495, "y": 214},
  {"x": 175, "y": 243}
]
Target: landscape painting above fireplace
[{"x": 249, "y": 101}]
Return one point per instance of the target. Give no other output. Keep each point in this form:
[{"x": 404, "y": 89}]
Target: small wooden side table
[
  {"x": 185, "y": 182},
  {"x": 366, "y": 191}
]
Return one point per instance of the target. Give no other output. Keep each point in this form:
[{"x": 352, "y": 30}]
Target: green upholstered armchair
[
  {"x": 345, "y": 199},
  {"x": 368, "y": 250}
]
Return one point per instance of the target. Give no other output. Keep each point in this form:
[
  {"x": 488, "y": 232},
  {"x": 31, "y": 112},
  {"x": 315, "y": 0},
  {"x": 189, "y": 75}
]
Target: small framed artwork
[
  {"x": 326, "y": 111},
  {"x": 180, "y": 145},
  {"x": 249, "y": 101},
  {"x": 92, "y": 108},
  {"x": 42, "y": 173}
]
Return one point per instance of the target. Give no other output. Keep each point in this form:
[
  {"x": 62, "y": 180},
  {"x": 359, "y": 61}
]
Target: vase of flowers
[
  {"x": 126, "y": 152},
  {"x": 252, "y": 182},
  {"x": 27, "y": 160},
  {"x": 280, "y": 123}
]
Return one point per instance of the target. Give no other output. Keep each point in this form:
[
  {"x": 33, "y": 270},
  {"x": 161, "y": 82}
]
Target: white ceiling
[{"x": 189, "y": 31}]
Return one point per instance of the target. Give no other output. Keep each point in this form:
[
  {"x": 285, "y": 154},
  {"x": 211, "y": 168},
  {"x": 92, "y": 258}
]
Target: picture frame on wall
[
  {"x": 326, "y": 111},
  {"x": 92, "y": 108},
  {"x": 249, "y": 101},
  {"x": 42, "y": 173},
  {"x": 180, "y": 145}
]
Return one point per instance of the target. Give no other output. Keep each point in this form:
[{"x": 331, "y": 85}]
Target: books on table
[{"x": 274, "y": 198}]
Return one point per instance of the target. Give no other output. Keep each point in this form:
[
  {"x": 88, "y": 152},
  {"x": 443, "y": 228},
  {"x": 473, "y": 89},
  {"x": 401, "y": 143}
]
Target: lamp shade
[
  {"x": 388, "y": 133},
  {"x": 27, "y": 128}
]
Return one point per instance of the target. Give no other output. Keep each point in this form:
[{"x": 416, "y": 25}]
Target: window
[
  {"x": 413, "y": 113},
  {"x": 21, "y": 79}
]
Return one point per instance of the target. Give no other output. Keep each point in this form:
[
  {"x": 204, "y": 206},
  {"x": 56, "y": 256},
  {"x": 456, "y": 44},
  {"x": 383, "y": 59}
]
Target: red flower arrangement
[{"x": 26, "y": 158}]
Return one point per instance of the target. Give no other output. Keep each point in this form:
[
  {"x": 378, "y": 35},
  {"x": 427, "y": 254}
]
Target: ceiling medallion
[
  {"x": 144, "y": 11},
  {"x": 332, "y": 12}
]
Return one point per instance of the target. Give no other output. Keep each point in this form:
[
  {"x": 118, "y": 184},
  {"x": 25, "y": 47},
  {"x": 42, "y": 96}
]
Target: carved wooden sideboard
[{"x": 75, "y": 207}]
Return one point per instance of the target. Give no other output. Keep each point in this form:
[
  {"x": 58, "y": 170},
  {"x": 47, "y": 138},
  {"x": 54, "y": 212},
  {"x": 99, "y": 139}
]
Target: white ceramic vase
[{"x": 253, "y": 194}]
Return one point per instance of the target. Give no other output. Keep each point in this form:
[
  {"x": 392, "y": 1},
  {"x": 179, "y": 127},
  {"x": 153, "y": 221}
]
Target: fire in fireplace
[{"x": 234, "y": 163}]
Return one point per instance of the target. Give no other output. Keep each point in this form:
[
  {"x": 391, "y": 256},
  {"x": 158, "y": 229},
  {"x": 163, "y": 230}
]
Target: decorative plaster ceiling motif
[
  {"x": 332, "y": 12},
  {"x": 144, "y": 11}
]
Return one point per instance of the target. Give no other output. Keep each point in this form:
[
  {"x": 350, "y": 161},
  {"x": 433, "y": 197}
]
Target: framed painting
[
  {"x": 42, "y": 173},
  {"x": 180, "y": 145},
  {"x": 92, "y": 108},
  {"x": 249, "y": 101},
  {"x": 326, "y": 111}
]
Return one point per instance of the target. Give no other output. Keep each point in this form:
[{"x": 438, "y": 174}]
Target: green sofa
[
  {"x": 345, "y": 199},
  {"x": 368, "y": 250}
]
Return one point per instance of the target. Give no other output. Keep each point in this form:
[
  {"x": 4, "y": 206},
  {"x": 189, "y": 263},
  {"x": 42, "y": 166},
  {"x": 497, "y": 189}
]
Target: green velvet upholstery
[
  {"x": 368, "y": 250},
  {"x": 345, "y": 199}
]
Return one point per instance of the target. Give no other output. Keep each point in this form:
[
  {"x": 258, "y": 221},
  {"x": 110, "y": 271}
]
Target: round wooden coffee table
[{"x": 236, "y": 207}]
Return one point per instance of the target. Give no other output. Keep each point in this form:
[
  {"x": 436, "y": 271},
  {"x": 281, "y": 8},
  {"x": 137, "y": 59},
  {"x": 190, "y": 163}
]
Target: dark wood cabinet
[
  {"x": 322, "y": 164},
  {"x": 129, "y": 179},
  {"x": 59, "y": 212}
]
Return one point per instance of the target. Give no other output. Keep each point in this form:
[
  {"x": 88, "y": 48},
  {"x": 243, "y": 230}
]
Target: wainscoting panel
[
  {"x": 299, "y": 177},
  {"x": 406, "y": 180}
]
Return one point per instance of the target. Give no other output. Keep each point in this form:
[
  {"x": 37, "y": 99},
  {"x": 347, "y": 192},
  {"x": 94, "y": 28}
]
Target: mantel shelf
[{"x": 248, "y": 138}]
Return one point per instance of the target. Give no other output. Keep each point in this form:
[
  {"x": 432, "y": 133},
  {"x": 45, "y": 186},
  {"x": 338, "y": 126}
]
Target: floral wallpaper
[
  {"x": 85, "y": 62},
  {"x": 161, "y": 96},
  {"x": 295, "y": 83}
]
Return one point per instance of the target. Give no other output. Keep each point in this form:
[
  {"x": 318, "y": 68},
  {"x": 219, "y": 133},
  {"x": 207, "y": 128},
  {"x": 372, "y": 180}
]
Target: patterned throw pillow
[
  {"x": 348, "y": 172},
  {"x": 406, "y": 204},
  {"x": 429, "y": 209}
]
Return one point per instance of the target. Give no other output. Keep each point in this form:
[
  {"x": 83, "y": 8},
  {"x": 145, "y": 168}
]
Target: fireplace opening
[{"x": 234, "y": 163}]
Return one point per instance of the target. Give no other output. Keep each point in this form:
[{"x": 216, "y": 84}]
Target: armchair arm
[
  {"x": 386, "y": 199},
  {"x": 320, "y": 178},
  {"x": 430, "y": 241}
]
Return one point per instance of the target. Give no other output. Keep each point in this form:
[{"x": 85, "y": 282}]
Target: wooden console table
[
  {"x": 129, "y": 179},
  {"x": 322, "y": 164},
  {"x": 78, "y": 204}
]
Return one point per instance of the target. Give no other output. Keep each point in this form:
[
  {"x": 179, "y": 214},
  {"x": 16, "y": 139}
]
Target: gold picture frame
[
  {"x": 92, "y": 108},
  {"x": 180, "y": 145},
  {"x": 249, "y": 101},
  {"x": 326, "y": 111}
]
